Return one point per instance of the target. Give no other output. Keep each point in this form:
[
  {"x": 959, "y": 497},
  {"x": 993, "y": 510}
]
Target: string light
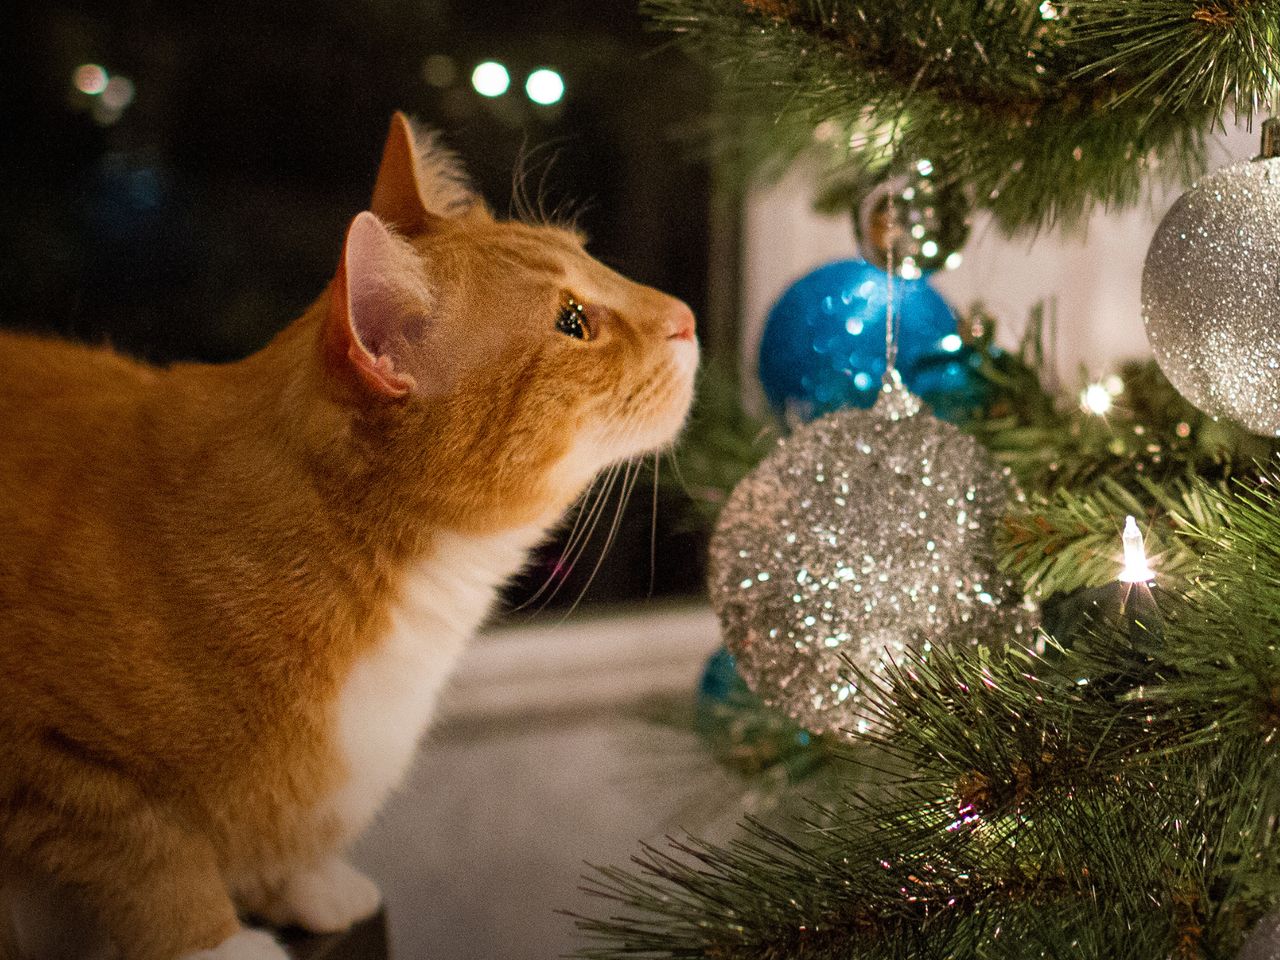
[
  {"x": 544, "y": 87},
  {"x": 490, "y": 79},
  {"x": 439, "y": 70},
  {"x": 90, "y": 79},
  {"x": 1099, "y": 397},
  {"x": 1096, "y": 399},
  {"x": 1136, "y": 569}
]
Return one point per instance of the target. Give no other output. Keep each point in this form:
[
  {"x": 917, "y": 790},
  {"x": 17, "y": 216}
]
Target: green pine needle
[{"x": 1041, "y": 110}]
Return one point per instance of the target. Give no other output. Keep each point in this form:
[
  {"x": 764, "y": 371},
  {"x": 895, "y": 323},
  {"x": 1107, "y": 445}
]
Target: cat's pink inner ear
[
  {"x": 372, "y": 302},
  {"x": 397, "y": 194}
]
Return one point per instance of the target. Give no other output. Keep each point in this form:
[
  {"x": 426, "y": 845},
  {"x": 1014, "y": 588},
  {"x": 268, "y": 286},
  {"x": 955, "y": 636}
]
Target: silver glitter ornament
[
  {"x": 1211, "y": 294},
  {"x": 865, "y": 534},
  {"x": 1263, "y": 942},
  {"x": 914, "y": 221}
]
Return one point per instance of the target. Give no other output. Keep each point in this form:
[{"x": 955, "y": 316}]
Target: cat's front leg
[
  {"x": 324, "y": 897},
  {"x": 140, "y": 885}
]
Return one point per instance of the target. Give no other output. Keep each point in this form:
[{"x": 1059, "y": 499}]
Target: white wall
[{"x": 1093, "y": 277}]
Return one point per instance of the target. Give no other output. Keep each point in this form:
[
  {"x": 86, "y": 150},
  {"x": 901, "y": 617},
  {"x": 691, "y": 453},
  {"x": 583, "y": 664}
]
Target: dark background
[{"x": 203, "y": 216}]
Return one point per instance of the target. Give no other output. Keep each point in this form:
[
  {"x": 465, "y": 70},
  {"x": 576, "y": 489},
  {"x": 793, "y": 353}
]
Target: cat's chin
[{"x": 597, "y": 451}]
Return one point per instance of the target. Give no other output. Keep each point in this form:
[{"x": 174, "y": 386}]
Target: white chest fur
[{"x": 387, "y": 701}]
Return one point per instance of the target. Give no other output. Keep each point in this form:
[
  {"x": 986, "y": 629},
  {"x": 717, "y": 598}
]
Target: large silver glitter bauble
[
  {"x": 865, "y": 534},
  {"x": 1263, "y": 942},
  {"x": 1211, "y": 295}
]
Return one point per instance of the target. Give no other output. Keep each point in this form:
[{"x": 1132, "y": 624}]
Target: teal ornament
[
  {"x": 824, "y": 344},
  {"x": 721, "y": 691},
  {"x": 720, "y": 682},
  {"x": 737, "y": 723}
]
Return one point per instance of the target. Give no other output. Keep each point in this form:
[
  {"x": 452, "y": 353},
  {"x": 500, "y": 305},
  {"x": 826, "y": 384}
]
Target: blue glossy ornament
[
  {"x": 950, "y": 380},
  {"x": 823, "y": 344}
]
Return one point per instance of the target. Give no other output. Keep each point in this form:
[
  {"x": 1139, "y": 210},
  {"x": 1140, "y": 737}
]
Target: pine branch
[
  {"x": 1035, "y": 815},
  {"x": 1187, "y": 52},
  {"x": 1065, "y": 541},
  {"x": 1040, "y": 110}
]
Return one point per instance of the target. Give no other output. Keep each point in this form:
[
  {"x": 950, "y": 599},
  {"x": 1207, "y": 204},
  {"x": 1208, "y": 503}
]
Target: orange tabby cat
[{"x": 229, "y": 594}]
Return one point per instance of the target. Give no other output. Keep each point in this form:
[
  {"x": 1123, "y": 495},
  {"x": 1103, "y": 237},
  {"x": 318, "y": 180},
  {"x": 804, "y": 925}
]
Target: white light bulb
[
  {"x": 490, "y": 79},
  {"x": 1095, "y": 399},
  {"x": 1135, "y": 569},
  {"x": 544, "y": 87}
]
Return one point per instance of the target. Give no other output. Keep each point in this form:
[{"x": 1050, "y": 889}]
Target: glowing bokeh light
[
  {"x": 1096, "y": 399},
  {"x": 439, "y": 70},
  {"x": 118, "y": 93},
  {"x": 490, "y": 79},
  {"x": 951, "y": 343},
  {"x": 544, "y": 86},
  {"x": 89, "y": 78}
]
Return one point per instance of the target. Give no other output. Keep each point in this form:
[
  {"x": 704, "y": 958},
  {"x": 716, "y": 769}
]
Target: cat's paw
[
  {"x": 244, "y": 944},
  {"x": 326, "y": 898}
]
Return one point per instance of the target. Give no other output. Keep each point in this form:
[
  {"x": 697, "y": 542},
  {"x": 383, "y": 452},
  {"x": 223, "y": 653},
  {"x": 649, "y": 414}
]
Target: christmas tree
[{"x": 1105, "y": 783}]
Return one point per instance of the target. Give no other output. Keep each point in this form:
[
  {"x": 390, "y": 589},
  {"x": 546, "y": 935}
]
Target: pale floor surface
[{"x": 488, "y": 837}]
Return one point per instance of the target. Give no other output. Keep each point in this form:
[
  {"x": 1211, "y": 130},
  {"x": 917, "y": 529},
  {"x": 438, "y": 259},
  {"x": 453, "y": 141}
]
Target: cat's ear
[
  {"x": 419, "y": 179},
  {"x": 379, "y": 306}
]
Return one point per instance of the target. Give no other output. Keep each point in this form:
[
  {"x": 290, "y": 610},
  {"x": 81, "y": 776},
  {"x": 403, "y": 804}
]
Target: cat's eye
[{"x": 572, "y": 320}]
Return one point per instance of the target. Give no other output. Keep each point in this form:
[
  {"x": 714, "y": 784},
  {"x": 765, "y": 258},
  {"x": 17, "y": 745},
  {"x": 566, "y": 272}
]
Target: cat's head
[{"x": 514, "y": 364}]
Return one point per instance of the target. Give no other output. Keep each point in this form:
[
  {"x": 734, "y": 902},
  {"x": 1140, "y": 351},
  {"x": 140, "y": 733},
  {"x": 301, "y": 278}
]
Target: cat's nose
[{"x": 679, "y": 321}]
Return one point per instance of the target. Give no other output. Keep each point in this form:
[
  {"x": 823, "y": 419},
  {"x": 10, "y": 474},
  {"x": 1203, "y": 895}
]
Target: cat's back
[
  {"x": 61, "y": 404},
  {"x": 70, "y": 414},
  {"x": 41, "y": 375}
]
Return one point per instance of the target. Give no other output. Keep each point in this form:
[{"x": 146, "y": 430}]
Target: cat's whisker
[
  {"x": 600, "y": 486},
  {"x": 542, "y": 188},
  {"x": 586, "y": 504},
  {"x": 583, "y": 512},
  {"x": 679, "y": 474},
  {"x": 653, "y": 525},
  {"x": 527, "y": 207},
  {"x": 574, "y": 552},
  {"x": 629, "y": 482},
  {"x": 519, "y": 204}
]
